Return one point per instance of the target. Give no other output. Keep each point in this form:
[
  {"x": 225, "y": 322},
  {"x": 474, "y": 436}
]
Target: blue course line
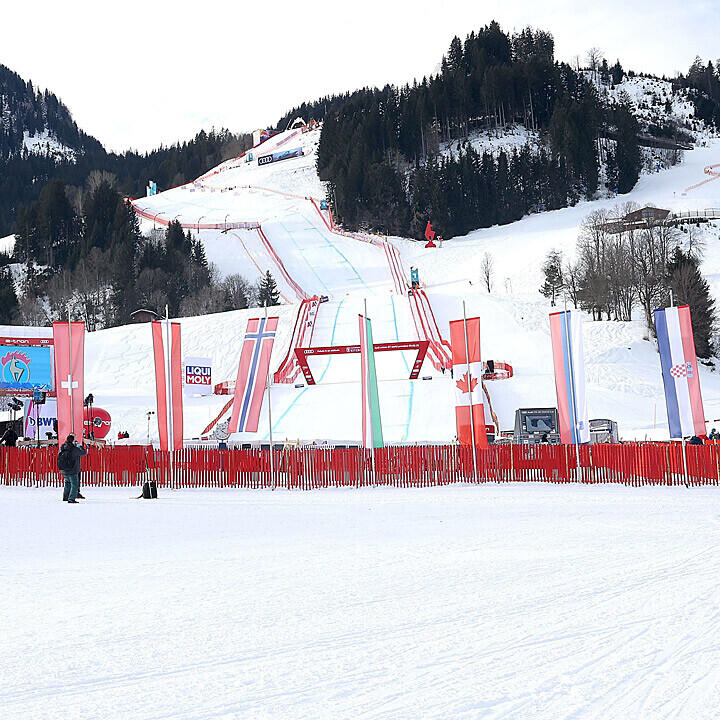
[
  {"x": 407, "y": 367},
  {"x": 306, "y": 388},
  {"x": 302, "y": 254},
  {"x": 329, "y": 244}
]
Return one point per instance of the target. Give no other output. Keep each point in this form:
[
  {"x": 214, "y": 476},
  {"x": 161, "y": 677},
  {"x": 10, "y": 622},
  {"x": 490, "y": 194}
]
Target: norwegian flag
[
  {"x": 69, "y": 342},
  {"x": 167, "y": 351},
  {"x": 252, "y": 374},
  {"x": 468, "y": 369}
]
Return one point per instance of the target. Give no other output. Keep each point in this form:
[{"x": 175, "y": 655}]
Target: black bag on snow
[
  {"x": 65, "y": 460},
  {"x": 149, "y": 490}
]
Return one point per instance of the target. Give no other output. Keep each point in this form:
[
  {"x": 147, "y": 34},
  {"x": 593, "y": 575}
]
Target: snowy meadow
[{"x": 491, "y": 601}]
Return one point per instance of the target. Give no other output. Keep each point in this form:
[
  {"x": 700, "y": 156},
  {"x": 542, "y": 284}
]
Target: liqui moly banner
[
  {"x": 678, "y": 361},
  {"x": 167, "y": 352},
  {"x": 69, "y": 341},
  {"x": 467, "y": 373},
  {"x": 569, "y": 363},
  {"x": 197, "y": 376},
  {"x": 252, "y": 374}
]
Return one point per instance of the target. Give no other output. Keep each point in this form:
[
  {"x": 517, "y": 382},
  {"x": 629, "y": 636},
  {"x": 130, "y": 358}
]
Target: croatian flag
[
  {"x": 252, "y": 374},
  {"x": 678, "y": 361},
  {"x": 167, "y": 351},
  {"x": 467, "y": 373},
  {"x": 69, "y": 342},
  {"x": 569, "y": 362}
]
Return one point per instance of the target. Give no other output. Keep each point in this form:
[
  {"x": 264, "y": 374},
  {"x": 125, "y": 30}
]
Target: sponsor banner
[
  {"x": 41, "y": 419},
  {"x": 24, "y": 368},
  {"x": 281, "y": 155},
  {"x": 197, "y": 376}
]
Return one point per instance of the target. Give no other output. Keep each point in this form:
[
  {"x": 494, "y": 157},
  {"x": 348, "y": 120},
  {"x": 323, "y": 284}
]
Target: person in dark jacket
[
  {"x": 10, "y": 437},
  {"x": 72, "y": 473},
  {"x": 695, "y": 440}
]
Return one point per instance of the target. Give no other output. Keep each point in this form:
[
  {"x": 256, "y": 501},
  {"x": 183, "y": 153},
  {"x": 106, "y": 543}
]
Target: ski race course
[{"x": 257, "y": 218}]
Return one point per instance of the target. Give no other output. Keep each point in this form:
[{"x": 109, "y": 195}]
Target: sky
[{"x": 140, "y": 74}]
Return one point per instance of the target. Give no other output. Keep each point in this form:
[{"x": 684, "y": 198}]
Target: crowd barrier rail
[{"x": 309, "y": 467}]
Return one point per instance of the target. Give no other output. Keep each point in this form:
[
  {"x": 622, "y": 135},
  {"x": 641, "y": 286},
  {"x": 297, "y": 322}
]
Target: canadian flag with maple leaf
[{"x": 467, "y": 372}]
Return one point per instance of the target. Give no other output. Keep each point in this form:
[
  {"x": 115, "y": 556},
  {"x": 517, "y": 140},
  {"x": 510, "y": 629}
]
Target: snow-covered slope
[{"x": 624, "y": 380}]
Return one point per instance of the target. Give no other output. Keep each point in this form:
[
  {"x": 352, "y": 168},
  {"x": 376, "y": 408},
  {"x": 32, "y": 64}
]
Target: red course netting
[{"x": 407, "y": 466}]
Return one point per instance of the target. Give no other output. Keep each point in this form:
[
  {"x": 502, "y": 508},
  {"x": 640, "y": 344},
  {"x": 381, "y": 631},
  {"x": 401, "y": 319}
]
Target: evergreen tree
[
  {"x": 627, "y": 153},
  {"x": 268, "y": 293},
  {"x": 8, "y": 298},
  {"x": 554, "y": 281},
  {"x": 690, "y": 288}
]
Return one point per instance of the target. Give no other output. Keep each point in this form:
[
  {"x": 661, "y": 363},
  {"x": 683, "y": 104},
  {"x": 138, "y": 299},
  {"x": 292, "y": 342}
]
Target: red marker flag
[
  {"x": 467, "y": 368},
  {"x": 69, "y": 342},
  {"x": 167, "y": 351},
  {"x": 429, "y": 232}
]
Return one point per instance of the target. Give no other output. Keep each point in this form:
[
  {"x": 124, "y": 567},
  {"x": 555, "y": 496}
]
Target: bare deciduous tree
[{"x": 487, "y": 270}]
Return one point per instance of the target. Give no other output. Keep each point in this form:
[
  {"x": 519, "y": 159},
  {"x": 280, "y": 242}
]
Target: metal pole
[
  {"x": 469, "y": 381},
  {"x": 672, "y": 301},
  {"x": 268, "y": 384},
  {"x": 572, "y": 395},
  {"x": 70, "y": 380},
  {"x": 372, "y": 437},
  {"x": 168, "y": 393},
  {"x": 684, "y": 454}
]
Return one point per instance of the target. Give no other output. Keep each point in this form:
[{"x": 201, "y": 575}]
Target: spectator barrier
[{"x": 309, "y": 467}]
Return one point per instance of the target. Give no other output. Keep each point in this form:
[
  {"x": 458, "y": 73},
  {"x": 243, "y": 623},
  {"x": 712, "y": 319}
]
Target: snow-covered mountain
[{"x": 308, "y": 257}]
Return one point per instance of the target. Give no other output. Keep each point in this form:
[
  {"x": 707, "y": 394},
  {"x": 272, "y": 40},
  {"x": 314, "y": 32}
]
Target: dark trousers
[{"x": 71, "y": 487}]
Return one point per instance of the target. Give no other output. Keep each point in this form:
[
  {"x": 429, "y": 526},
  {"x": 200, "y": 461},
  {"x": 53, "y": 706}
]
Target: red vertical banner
[
  {"x": 467, "y": 368},
  {"x": 69, "y": 342},
  {"x": 252, "y": 375},
  {"x": 167, "y": 353}
]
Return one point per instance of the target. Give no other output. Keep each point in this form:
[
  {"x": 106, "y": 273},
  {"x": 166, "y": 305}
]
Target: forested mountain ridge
[
  {"x": 40, "y": 143},
  {"x": 381, "y": 150}
]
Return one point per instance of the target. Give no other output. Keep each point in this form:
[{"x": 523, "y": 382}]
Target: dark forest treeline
[
  {"x": 96, "y": 261},
  {"x": 379, "y": 148},
  {"x": 24, "y": 174}
]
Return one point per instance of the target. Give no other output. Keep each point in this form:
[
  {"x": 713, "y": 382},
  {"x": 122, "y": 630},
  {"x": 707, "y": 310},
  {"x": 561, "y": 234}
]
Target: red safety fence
[
  {"x": 404, "y": 466},
  {"x": 302, "y": 336}
]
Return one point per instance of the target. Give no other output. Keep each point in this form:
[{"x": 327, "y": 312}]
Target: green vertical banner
[{"x": 371, "y": 422}]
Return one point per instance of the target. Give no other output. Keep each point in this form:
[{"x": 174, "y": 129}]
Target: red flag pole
[
  {"x": 469, "y": 380},
  {"x": 168, "y": 394},
  {"x": 70, "y": 383}
]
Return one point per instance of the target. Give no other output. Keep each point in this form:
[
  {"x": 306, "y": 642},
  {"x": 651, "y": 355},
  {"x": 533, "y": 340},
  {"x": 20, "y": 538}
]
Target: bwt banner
[
  {"x": 41, "y": 417},
  {"x": 197, "y": 376},
  {"x": 282, "y": 155},
  {"x": 39, "y": 420}
]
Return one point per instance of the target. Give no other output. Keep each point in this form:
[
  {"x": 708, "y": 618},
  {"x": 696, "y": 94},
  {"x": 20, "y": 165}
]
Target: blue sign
[{"x": 27, "y": 368}]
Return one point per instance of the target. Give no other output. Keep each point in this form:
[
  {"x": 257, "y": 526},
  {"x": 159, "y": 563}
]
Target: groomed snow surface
[{"x": 510, "y": 601}]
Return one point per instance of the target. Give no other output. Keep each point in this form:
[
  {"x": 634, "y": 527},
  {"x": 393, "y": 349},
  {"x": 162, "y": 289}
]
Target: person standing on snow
[
  {"x": 69, "y": 466},
  {"x": 10, "y": 438}
]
